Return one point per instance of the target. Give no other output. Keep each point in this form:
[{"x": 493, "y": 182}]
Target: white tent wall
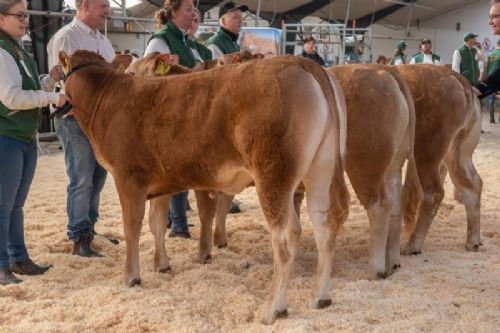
[{"x": 441, "y": 30}]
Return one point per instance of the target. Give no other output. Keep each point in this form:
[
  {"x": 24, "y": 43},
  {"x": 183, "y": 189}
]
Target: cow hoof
[
  {"x": 207, "y": 259},
  {"x": 382, "y": 275},
  {"x": 473, "y": 247},
  {"x": 396, "y": 266},
  {"x": 164, "y": 270},
  {"x": 281, "y": 313},
  {"x": 134, "y": 282},
  {"x": 222, "y": 246},
  {"x": 324, "y": 303}
]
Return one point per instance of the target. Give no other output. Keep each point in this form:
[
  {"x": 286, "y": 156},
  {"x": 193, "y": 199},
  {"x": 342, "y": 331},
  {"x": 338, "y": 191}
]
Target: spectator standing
[{"x": 86, "y": 176}]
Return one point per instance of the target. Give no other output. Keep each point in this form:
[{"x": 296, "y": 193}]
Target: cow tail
[
  {"x": 412, "y": 193},
  {"x": 339, "y": 193}
]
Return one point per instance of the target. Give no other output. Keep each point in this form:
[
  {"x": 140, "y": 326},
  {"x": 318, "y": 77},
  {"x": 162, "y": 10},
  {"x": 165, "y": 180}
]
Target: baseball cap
[
  {"x": 469, "y": 35},
  {"x": 401, "y": 45},
  {"x": 425, "y": 41},
  {"x": 230, "y": 7}
]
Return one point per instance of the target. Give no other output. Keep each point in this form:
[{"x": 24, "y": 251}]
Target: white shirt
[
  {"x": 398, "y": 62},
  {"x": 427, "y": 60},
  {"x": 216, "y": 51},
  {"x": 457, "y": 59},
  {"x": 11, "y": 93},
  {"x": 78, "y": 36},
  {"x": 159, "y": 45}
]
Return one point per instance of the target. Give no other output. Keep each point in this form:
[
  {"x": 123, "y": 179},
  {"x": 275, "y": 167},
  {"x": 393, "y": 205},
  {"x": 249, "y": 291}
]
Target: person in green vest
[
  {"x": 175, "y": 18},
  {"x": 399, "y": 57},
  {"x": 425, "y": 56},
  {"x": 466, "y": 58},
  {"x": 21, "y": 97},
  {"x": 225, "y": 40},
  {"x": 203, "y": 52},
  {"x": 492, "y": 64}
]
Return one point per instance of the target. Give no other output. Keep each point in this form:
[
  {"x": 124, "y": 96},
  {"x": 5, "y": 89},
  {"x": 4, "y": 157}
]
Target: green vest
[
  {"x": 419, "y": 58},
  {"x": 493, "y": 61},
  {"x": 224, "y": 42},
  {"x": 468, "y": 66},
  {"x": 177, "y": 43},
  {"x": 204, "y": 52},
  {"x": 23, "y": 124},
  {"x": 396, "y": 57}
]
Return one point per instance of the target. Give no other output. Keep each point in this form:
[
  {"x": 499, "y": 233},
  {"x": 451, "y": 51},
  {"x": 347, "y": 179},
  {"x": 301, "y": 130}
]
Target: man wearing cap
[
  {"x": 425, "y": 56},
  {"x": 466, "y": 58},
  {"x": 225, "y": 40},
  {"x": 399, "y": 56}
]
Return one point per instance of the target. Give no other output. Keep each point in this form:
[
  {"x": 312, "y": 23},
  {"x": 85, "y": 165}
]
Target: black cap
[{"x": 230, "y": 7}]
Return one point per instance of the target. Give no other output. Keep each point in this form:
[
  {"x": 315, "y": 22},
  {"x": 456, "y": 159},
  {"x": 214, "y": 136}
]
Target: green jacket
[
  {"x": 224, "y": 42},
  {"x": 204, "y": 52},
  {"x": 419, "y": 58},
  {"x": 396, "y": 57},
  {"x": 493, "y": 61},
  {"x": 469, "y": 66},
  {"x": 177, "y": 43},
  {"x": 23, "y": 124}
]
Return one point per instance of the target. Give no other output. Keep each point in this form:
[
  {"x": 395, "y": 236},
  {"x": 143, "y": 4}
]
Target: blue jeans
[
  {"x": 17, "y": 168},
  {"x": 86, "y": 178},
  {"x": 491, "y": 106},
  {"x": 178, "y": 206}
]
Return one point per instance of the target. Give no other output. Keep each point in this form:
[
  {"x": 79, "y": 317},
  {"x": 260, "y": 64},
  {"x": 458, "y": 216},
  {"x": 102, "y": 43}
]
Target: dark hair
[
  {"x": 309, "y": 39},
  {"x": 164, "y": 14}
]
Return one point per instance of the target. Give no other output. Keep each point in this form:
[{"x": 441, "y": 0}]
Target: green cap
[
  {"x": 469, "y": 35},
  {"x": 401, "y": 45}
]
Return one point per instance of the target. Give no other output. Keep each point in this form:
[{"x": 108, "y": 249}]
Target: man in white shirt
[
  {"x": 425, "y": 56},
  {"x": 467, "y": 57},
  {"x": 86, "y": 176}
]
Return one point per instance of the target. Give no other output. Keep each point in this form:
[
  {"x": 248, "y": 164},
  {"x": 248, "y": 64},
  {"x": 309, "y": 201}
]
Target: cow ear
[
  {"x": 64, "y": 61},
  {"x": 174, "y": 59},
  {"x": 162, "y": 64},
  {"x": 236, "y": 58},
  {"x": 121, "y": 62}
]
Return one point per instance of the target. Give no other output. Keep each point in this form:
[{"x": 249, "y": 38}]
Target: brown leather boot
[
  {"x": 28, "y": 267},
  {"x": 6, "y": 277},
  {"x": 81, "y": 247}
]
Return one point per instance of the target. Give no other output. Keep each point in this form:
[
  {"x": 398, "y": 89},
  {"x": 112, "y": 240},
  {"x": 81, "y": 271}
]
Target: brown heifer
[
  {"x": 207, "y": 131},
  {"x": 447, "y": 132},
  {"x": 380, "y": 137}
]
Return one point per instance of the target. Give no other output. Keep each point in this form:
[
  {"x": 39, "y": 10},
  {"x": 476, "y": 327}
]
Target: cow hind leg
[
  {"x": 206, "y": 210},
  {"x": 468, "y": 184},
  {"x": 158, "y": 219},
  {"x": 394, "y": 184},
  {"x": 319, "y": 187},
  {"x": 223, "y": 202},
  {"x": 133, "y": 203},
  {"x": 432, "y": 186},
  {"x": 285, "y": 233}
]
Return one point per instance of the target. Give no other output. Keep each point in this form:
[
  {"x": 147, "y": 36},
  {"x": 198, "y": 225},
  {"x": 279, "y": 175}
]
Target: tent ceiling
[{"x": 386, "y": 12}]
